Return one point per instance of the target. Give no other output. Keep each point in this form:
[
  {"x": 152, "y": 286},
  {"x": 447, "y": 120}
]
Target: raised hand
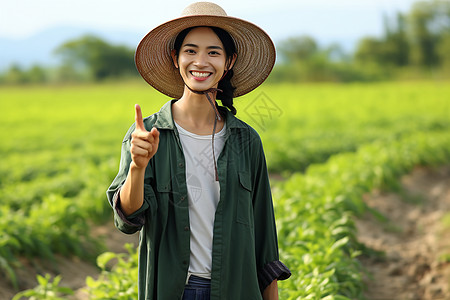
[{"x": 144, "y": 144}]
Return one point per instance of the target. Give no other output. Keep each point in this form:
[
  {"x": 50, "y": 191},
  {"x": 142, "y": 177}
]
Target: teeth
[{"x": 200, "y": 74}]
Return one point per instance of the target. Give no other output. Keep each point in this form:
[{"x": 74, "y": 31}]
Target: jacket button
[
  {"x": 182, "y": 198},
  {"x": 186, "y": 228},
  {"x": 180, "y": 165}
]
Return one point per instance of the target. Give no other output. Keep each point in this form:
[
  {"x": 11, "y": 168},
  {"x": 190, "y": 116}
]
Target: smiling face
[{"x": 201, "y": 59}]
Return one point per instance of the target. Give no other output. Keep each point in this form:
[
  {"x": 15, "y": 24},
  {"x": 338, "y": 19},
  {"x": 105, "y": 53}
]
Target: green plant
[
  {"x": 121, "y": 281},
  {"x": 46, "y": 290}
]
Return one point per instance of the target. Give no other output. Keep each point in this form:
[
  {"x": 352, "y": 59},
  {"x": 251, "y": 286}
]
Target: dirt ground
[
  {"x": 73, "y": 270},
  {"x": 414, "y": 239},
  {"x": 416, "y": 264}
]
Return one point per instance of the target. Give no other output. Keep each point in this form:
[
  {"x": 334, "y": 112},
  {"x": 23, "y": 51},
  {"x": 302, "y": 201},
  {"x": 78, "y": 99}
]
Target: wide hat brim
[{"x": 255, "y": 50}]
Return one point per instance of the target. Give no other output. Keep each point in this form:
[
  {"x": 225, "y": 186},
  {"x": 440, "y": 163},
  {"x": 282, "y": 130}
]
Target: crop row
[
  {"x": 49, "y": 215},
  {"x": 317, "y": 234},
  {"x": 316, "y": 122}
]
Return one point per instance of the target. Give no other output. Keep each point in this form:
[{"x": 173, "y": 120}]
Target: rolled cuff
[
  {"x": 271, "y": 271},
  {"x": 130, "y": 224}
]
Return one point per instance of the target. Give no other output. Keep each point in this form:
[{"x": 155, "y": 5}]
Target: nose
[{"x": 201, "y": 60}]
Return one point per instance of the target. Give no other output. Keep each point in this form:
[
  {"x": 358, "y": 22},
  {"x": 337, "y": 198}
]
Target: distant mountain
[{"x": 38, "y": 49}]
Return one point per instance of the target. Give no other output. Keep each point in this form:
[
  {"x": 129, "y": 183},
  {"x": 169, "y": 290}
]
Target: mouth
[{"x": 200, "y": 75}]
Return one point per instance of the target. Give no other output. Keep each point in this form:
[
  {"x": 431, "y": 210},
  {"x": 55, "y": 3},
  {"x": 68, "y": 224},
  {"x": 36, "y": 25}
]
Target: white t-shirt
[{"x": 203, "y": 195}]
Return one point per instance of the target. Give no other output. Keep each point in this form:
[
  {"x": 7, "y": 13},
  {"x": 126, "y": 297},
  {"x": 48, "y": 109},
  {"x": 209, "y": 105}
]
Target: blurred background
[
  {"x": 342, "y": 41},
  {"x": 354, "y": 120}
]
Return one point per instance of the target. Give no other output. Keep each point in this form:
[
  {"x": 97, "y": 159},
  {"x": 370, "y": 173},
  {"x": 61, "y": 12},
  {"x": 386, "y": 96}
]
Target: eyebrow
[{"x": 196, "y": 46}]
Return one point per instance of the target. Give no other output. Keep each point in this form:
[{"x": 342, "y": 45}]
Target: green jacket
[{"x": 245, "y": 251}]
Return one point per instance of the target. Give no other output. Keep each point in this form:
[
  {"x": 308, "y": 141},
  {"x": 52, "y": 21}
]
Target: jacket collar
[{"x": 165, "y": 119}]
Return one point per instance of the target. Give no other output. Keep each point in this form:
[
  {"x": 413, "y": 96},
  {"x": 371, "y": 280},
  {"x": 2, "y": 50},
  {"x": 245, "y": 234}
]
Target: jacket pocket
[
  {"x": 244, "y": 214},
  {"x": 165, "y": 193}
]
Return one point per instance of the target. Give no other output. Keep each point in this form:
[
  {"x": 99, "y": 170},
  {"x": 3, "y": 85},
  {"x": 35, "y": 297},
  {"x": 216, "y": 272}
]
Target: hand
[{"x": 144, "y": 144}]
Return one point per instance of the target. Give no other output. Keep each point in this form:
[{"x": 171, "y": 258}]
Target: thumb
[
  {"x": 138, "y": 118},
  {"x": 155, "y": 133}
]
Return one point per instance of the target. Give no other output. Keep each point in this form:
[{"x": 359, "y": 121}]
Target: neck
[{"x": 195, "y": 107}]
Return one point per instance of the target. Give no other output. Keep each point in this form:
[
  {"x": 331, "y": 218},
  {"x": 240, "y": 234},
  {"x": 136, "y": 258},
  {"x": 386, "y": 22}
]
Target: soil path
[{"x": 414, "y": 239}]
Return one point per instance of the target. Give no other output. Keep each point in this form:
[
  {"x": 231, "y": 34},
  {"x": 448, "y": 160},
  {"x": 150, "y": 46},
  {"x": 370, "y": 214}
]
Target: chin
[{"x": 201, "y": 87}]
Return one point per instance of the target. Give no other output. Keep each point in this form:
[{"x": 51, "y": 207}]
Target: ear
[
  {"x": 231, "y": 62},
  {"x": 173, "y": 53}
]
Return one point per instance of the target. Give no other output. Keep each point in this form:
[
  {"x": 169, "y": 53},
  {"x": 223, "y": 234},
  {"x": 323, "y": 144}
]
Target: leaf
[
  {"x": 104, "y": 258},
  {"x": 66, "y": 290},
  {"x": 11, "y": 274},
  {"x": 340, "y": 243},
  {"x": 43, "y": 281}
]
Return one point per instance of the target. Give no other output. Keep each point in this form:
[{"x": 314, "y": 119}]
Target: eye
[
  {"x": 215, "y": 53},
  {"x": 189, "y": 51}
]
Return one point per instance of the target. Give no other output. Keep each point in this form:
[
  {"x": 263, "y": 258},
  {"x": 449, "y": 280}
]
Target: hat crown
[{"x": 203, "y": 8}]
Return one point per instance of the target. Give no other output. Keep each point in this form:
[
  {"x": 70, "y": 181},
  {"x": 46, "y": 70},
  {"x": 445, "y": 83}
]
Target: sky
[{"x": 324, "y": 19}]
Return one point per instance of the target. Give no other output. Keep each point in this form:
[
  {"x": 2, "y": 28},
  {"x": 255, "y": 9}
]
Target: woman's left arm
[
  {"x": 270, "y": 268},
  {"x": 271, "y": 291}
]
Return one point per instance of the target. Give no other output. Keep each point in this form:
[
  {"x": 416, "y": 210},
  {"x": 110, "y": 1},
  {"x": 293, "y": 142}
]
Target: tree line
[
  {"x": 415, "y": 44},
  {"x": 88, "y": 58}
]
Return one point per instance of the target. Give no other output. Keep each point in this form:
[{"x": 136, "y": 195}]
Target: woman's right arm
[{"x": 144, "y": 145}]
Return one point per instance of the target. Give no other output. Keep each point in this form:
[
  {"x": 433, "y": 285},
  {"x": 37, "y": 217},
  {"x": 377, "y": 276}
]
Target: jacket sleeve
[
  {"x": 134, "y": 222},
  {"x": 267, "y": 257}
]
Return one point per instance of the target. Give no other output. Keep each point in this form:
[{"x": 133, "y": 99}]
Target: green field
[{"x": 332, "y": 143}]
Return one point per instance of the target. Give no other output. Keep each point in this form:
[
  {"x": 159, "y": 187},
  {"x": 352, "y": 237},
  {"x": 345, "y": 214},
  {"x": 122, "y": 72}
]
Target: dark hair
[{"x": 226, "y": 96}]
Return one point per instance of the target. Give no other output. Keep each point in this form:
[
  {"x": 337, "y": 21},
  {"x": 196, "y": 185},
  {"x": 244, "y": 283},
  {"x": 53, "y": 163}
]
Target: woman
[{"x": 193, "y": 177}]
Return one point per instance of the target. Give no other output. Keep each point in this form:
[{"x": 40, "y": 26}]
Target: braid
[{"x": 227, "y": 91}]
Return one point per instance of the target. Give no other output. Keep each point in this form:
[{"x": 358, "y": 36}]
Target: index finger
[{"x": 138, "y": 118}]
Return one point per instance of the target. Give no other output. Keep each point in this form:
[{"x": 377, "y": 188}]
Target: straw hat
[{"x": 255, "y": 50}]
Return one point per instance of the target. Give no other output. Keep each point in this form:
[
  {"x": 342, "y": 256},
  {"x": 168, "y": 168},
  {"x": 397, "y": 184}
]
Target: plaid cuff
[
  {"x": 133, "y": 221},
  {"x": 271, "y": 271}
]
